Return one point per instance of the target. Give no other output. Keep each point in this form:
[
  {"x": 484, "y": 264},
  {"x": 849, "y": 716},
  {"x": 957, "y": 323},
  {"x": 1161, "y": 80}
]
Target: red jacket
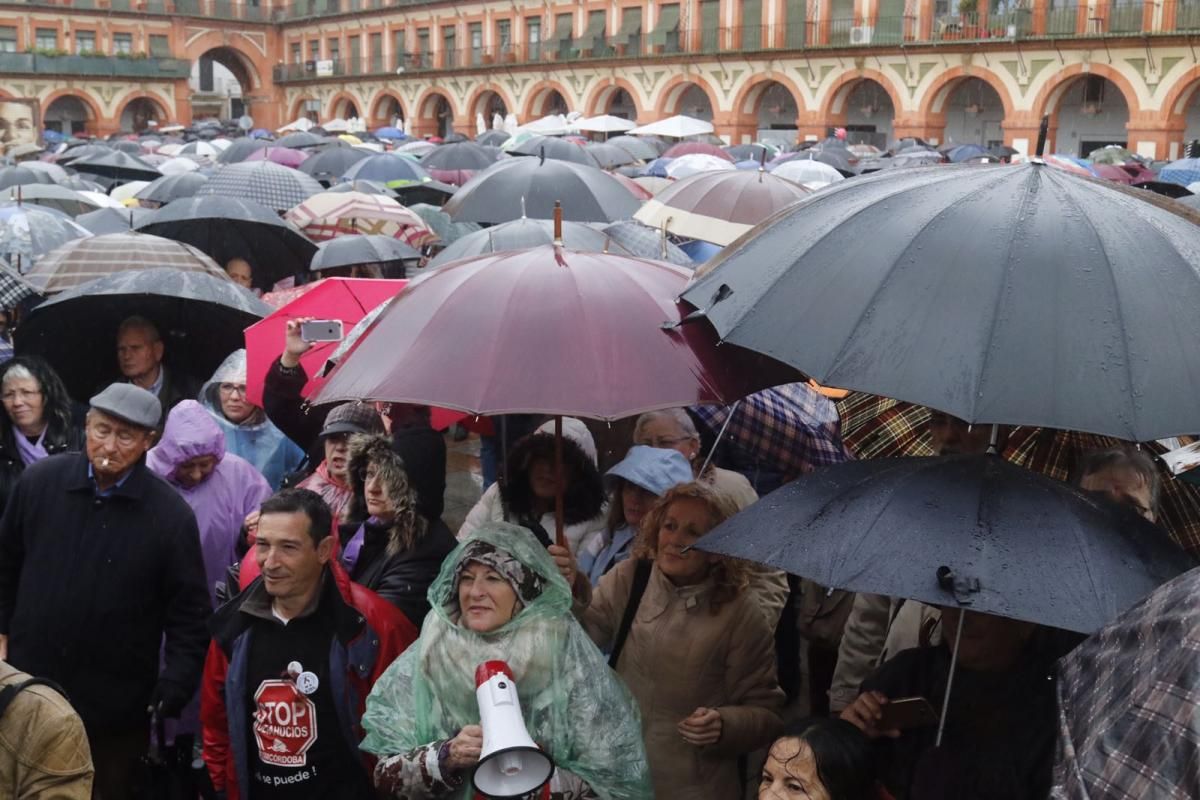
[{"x": 374, "y": 633}]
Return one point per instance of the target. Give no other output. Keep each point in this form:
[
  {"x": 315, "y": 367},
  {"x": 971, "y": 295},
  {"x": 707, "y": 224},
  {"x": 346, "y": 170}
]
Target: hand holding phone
[
  {"x": 904, "y": 713},
  {"x": 321, "y": 330}
]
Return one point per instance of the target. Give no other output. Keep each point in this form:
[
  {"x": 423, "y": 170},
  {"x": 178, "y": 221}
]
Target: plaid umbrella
[
  {"x": 1129, "y": 703},
  {"x": 29, "y": 232},
  {"x": 264, "y": 182},
  {"x": 792, "y": 427},
  {"x": 96, "y": 257},
  {"x": 13, "y": 288},
  {"x": 341, "y": 213}
]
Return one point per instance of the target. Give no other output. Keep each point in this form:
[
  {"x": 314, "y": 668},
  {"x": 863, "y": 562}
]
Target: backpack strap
[
  {"x": 9, "y": 693},
  {"x": 641, "y": 578}
]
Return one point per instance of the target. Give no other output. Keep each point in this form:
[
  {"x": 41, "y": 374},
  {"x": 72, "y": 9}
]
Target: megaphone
[{"x": 511, "y": 764}]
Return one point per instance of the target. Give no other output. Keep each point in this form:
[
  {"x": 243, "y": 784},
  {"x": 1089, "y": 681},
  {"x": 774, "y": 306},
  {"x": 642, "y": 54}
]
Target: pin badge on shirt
[{"x": 307, "y": 682}]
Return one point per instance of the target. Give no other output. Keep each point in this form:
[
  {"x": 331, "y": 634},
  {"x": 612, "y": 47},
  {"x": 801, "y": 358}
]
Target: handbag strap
[
  {"x": 9, "y": 693},
  {"x": 641, "y": 578}
]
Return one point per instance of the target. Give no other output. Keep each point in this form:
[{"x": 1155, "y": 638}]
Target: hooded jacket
[
  {"x": 256, "y": 438},
  {"x": 223, "y": 499},
  {"x": 398, "y": 561}
]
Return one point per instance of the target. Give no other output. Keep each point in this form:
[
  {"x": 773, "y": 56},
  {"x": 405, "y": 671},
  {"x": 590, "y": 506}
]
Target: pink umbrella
[
  {"x": 284, "y": 156},
  {"x": 1111, "y": 172},
  {"x": 454, "y": 177}
]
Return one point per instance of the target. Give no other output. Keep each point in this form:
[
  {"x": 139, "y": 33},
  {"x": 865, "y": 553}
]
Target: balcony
[
  {"x": 93, "y": 66},
  {"x": 1186, "y": 14}
]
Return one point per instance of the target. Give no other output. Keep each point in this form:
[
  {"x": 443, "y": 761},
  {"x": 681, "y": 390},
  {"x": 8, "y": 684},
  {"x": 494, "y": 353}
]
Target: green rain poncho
[{"x": 574, "y": 705}]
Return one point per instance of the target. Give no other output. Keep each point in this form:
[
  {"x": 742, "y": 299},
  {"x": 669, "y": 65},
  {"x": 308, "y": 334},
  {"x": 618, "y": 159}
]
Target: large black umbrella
[
  {"x": 999, "y": 294},
  {"x": 201, "y": 318},
  {"x": 461, "y": 155},
  {"x": 493, "y": 138},
  {"x": 22, "y": 176},
  {"x": 300, "y": 139},
  {"x": 517, "y": 187},
  {"x": 241, "y": 149},
  {"x": 388, "y": 168},
  {"x": 608, "y": 155},
  {"x": 61, "y": 198},
  {"x": 434, "y": 193},
  {"x": 113, "y": 220},
  {"x": 643, "y": 148},
  {"x": 330, "y": 164},
  {"x": 116, "y": 166},
  {"x": 227, "y": 228},
  {"x": 557, "y": 149},
  {"x": 521, "y": 234},
  {"x": 349, "y": 251},
  {"x": 972, "y": 532},
  {"x": 172, "y": 187}
]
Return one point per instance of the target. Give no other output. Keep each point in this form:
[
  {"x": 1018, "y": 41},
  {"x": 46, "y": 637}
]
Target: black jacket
[
  {"x": 423, "y": 451},
  {"x": 11, "y": 466},
  {"x": 90, "y": 585},
  {"x": 177, "y": 386},
  {"x": 404, "y": 578}
]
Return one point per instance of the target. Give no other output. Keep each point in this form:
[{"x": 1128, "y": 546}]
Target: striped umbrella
[
  {"x": 264, "y": 182},
  {"x": 85, "y": 260},
  {"x": 340, "y": 213}
]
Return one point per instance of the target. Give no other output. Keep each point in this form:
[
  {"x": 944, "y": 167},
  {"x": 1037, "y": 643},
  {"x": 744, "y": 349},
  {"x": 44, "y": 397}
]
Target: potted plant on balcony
[{"x": 968, "y": 14}]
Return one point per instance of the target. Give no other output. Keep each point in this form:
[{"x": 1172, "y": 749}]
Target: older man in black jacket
[{"x": 99, "y": 563}]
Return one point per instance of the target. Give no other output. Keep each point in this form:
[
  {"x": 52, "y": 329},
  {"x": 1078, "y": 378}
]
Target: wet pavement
[{"x": 464, "y": 481}]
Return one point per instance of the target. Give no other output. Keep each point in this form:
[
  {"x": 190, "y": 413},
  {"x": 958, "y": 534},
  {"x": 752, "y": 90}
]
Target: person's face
[
  {"x": 113, "y": 445},
  {"x": 378, "y": 503},
  {"x": 337, "y": 455},
  {"x": 541, "y": 479},
  {"x": 635, "y": 502},
  {"x": 665, "y": 432},
  {"x": 195, "y": 471},
  {"x": 16, "y": 125},
  {"x": 234, "y": 405},
  {"x": 791, "y": 773},
  {"x": 1122, "y": 485},
  {"x": 953, "y": 437},
  {"x": 239, "y": 270},
  {"x": 685, "y": 521},
  {"x": 289, "y": 561},
  {"x": 989, "y": 643},
  {"x": 485, "y": 598},
  {"x": 137, "y": 353},
  {"x": 24, "y": 403}
]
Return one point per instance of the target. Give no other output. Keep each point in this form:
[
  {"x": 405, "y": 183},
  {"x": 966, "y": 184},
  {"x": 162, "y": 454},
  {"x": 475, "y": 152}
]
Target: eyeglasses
[
  {"x": 664, "y": 442},
  {"x": 229, "y": 389},
  {"x": 20, "y": 394}
]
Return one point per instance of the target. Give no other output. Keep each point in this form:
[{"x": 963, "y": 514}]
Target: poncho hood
[{"x": 190, "y": 432}]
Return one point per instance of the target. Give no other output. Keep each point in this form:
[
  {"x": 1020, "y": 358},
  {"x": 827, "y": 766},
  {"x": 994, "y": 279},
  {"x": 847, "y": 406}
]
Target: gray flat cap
[{"x": 131, "y": 403}]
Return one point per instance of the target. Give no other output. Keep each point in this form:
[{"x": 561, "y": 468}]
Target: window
[
  {"x": 122, "y": 43},
  {"x": 399, "y": 49},
  {"x": 160, "y": 46},
  {"x": 297, "y": 54},
  {"x": 335, "y": 49},
  {"x": 475, "y": 31},
  {"x": 85, "y": 42},
  {"x": 355, "y": 54},
  {"x": 8, "y": 39},
  {"x": 376, "y": 54},
  {"x": 533, "y": 37},
  {"x": 423, "y": 48},
  {"x": 46, "y": 38},
  {"x": 449, "y": 45},
  {"x": 314, "y": 50},
  {"x": 504, "y": 35}
]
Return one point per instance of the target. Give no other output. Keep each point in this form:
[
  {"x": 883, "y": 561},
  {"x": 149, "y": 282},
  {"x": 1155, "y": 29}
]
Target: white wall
[
  {"x": 963, "y": 127},
  {"x": 1074, "y": 127}
]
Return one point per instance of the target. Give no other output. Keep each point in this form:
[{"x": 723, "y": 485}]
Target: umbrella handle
[
  {"x": 712, "y": 451},
  {"x": 962, "y": 614},
  {"x": 559, "y": 537}
]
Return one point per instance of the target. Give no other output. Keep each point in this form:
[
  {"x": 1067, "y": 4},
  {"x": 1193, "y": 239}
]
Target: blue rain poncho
[{"x": 574, "y": 705}]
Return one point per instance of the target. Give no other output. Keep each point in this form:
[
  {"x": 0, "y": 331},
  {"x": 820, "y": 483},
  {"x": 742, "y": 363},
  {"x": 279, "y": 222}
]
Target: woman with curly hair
[
  {"x": 697, "y": 655},
  {"x": 37, "y": 420},
  {"x": 394, "y": 551}
]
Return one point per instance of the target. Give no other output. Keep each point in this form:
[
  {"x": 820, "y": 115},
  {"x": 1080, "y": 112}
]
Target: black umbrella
[
  {"x": 499, "y": 192},
  {"x": 434, "y": 193},
  {"x": 113, "y": 220},
  {"x": 969, "y": 531},
  {"x": 82, "y": 184},
  {"x": 453, "y": 137},
  {"x": 349, "y": 251},
  {"x": 227, "y": 228},
  {"x": 1165, "y": 188},
  {"x": 461, "y": 155},
  {"x": 330, "y": 164},
  {"x": 132, "y": 148},
  {"x": 83, "y": 151},
  {"x": 609, "y": 155},
  {"x": 241, "y": 149},
  {"x": 200, "y": 316},
  {"x": 1003, "y": 151},
  {"x": 21, "y": 176},
  {"x": 1000, "y": 294},
  {"x": 364, "y": 186},
  {"x": 521, "y": 234},
  {"x": 116, "y": 166},
  {"x": 65, "y": 200},
  {"x": 493, "y": 138},
  {"x": 552, "y": 148},
  {"x": 300, "y": 139},
  {"x": 172, "y": 187},
  {"x": 643, "y": 148}
]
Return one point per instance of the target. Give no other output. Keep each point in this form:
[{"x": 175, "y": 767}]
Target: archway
[
  {"x": 388, "y": 110},
  {"x": 68, "y": 114},
  {"x": 343, "y": 107},
  {"x": 1183, "y": 115},
  {"x": 869, "y": 113},
  {"x": 435, "y": 115},
  {"x": 1087, "y": 112},
  {"x": 615, "y": 99},
  {"x": 491, "y": 106},
  {"x": 221, "y": 82},
  {"x": 767, "y": 110},
  {"x": 546, "y": 101},
  {"x": 139, "y": 112},
  {"x": 689, "y": 99},
  {"x": 974, "y": 113}
]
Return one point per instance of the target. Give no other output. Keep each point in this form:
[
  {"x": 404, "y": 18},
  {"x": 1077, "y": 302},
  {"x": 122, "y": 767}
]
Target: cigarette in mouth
[{"x": 104, "y": 462}]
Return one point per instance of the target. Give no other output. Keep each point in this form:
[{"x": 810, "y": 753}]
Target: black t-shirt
[{"x": 297, "y": 747}]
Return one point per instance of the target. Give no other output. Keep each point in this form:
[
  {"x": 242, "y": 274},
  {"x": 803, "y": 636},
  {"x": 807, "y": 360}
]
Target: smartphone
[
  {"x": 321, "y": 330},
  {"x": 907, "y": 712}
]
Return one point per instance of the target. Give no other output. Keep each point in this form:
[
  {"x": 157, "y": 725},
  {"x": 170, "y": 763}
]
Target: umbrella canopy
[
  {"x": 1061, "y": 327},
  {"x": 418, "y": 148},
  {"x": 283, "y": 156},
  {"x": 327, "y": 215},
  {"x": 807, "y": 172},
  {"x": 349, "y": 251},
  {"x": 1113, "y": 154},
  {"x": 439, "y": 221},
  {"x": 1185, "y": 171},
  {"x": 22, "y": 176},
  {"x": 677, "y": 127},
  {"x": 1128, "y": 706},
  {"x": 83, "y": 151},
  {"x": 605, "y": 123},
  {"x": 175, "y": 166},
  {"x": 916, "y": 157},
  {"x": 719, "y": 207},
  {"x": 387, "y": 168},
  {"x": 653, "y": 184},
  {"x": 521, "y": 234},
  {"x": 539, "y": 310},
  {"x": 169, "y": 188},
  {"x": 1015, "y": 544},
  {"x": 116, "y": 166},
  {"x": 262, "y": 182},
  {"x": 642, "y": 148},
  {"x": 113, "y": 220},
  {"x": 751, "y": 152},
  {"x": 346, "y": 299},
  {"x": 1110, "y": 172},
  {"x": 639, "y": 192},
  {"x": 839, "y": 158},
  {"x": 557, "y": 149},
  {"x": 698, "y": 149},
  {"x": 241, "y": 148},
  {"x": 493, "y": 138},
  {"x": 300, "y": 139},
  {"x": 299, "y": 124},
  {"x": 199, "y": 149},
  {"x": 389, "y": 132},
  {"x": 14, "y": 289},
  {"x": 460, "y": 156},
  {"x": 225, "y": 228},
  {"x": 338, "y": 125},
  {"x": 695, "y": 164},
  {"x": 200, "y": 316},
  {"x": 609, "y": 155},
  {"x": 85, "y": 260},
  {"x": 366, "y": 187},
  {"x": 965, "y": 152},
  {"x": 634, "y": 238},
  {"x": 127, "y": 191},
  {"x": 55, "y": 172},
  {"x": 517, "y": 187},
  {"x": 28, "y": 232},
  {"x": 60, "y": 198}
]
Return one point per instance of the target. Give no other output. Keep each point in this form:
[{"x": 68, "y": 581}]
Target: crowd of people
[{"x": 279, "y": 584}]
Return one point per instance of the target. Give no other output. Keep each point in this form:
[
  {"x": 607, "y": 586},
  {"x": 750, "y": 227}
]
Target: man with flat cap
[{"x": 100, "y": 567}]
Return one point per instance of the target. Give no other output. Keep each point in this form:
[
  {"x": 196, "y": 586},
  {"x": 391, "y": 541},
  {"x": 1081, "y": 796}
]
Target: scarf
[
  {"x": 353, "y": 548},
  {"x": 332, "y": 491},
  {"x": 31, "y": 452}
]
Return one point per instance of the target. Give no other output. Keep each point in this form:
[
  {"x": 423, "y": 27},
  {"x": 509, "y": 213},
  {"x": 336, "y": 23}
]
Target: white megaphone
[{"x": 511, "y": 764}]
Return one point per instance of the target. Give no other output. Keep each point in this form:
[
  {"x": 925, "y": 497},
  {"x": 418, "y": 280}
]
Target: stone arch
[
  {"x": 834, "y": 106},
  {"x": 1181, "y": 113},
  {"x": 1048, "y": 101},
  {"x": 139, "y": 108},
  {"x": 671, "y": 96},
  {"x": 487, "y": 99},
  {"x": 434, "y": 114},
  {"x": 936, "y": 111},
  {"x": 541, "y": 99},
  {"x": 238, "y": 53},
  {"x": 89, "y": 105},
  {"x": 750, "y": 104},
  {"x": 344, "y": 105},
  {"x": 384, "y": 105},
  {"x": 299, "y": 109},
  {"x": 877, "y": 120},
  {"x": 600, "y": 100}
]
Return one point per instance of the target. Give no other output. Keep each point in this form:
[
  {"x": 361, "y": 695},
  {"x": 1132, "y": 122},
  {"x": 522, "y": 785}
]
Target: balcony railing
[
  {"x": 93, "y": 66},
  {"x": 1186, "y": 14}
]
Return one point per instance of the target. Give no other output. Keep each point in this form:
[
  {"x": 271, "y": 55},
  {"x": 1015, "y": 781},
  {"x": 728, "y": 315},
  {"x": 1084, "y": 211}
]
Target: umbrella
[
  {"x": 177, "y": 166},
  {"x": 345, "y": 299},
  {"x": 22, "y": 176},
  {"x": 965, "y": 152},
  {"x": 22, "y": 150},
  {"x": 172, "y": 187},
  {"x": 1185, "y": 171},
  {"x": 388, "y": 132},
  {"x": 493, "y": 138},
  {"x": 349, "y": 251},
  {"x": 199, "y": 149},
  {"x": 300, "y": 124},
  {"x": 719, "y": 207},
  {"x": 1110, "y": 172},
  {"x": 14, "y": 289},
  {"x": 225, "y": 228},
  {"x": 84, "y": 260},
  {"x": 521, "y": 234},
  {"x": 366, "y": 187},
  {"x": 51, "y": 196},
  {"x": 300, "y": 139},
  {"x": 609, "y": 155},
  {"x": 127, "y": 191},
  {"x": 263, "y": 182},
  {"x": 459, "y": 156},
  {"x": 700, "y": 251},
  {"x": 916, "y": 157},
  {"x": 639, "y": 192},
  {"x": 634, "y": 238},
  {"x": 439, "y": 221},
  {"x": 960, "y": 531},
  {"x": 112, "y": 220},
  {"x": 283, "y": 156},
  {"x": 200, "y": 315},
  {"x": 116, "y": 166},
  {"x": 418, "y": 148},
  {"x": 84, "y": 151},
  {"x": 433, "y": 192},
  {"x": 1068, "y": 164},
  {"x": 605, "y": 123},
  {"x": 325, "y": 216},
  {"x": 336, "y": 126},
  {"x": 751, "y": 152},
  {"x": 388, "y": 168},
  {"x": 677, "y": 127},
  {"x": 641, "y": 148},
  {"x": 55, "y": 172},
  {"x": 29, "y": 232},
  {"x": 238, "y": 151},
  {"x": 695, "y": 164},
  {"x": 698, "y": 149},
  {"x": 1060, "y": 326},
  {"x": 805, "y": 172},
  {"x": 517, "y": 187},
  {"x": 839, "y": 158},
  {"x": 1112, "y": 154},
  {"x": 1127, "y": 703},
  {"x": 1003, "y": 151},
  {"x": 653, "y": 184},
  {"x": 657, "y": 168},
  {"x": 549, "y": 125},
  {"x": 557, "y": 149},
  {"x": 328, "y": 165}
]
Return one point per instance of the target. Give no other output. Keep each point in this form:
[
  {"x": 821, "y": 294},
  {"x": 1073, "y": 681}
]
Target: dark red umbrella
[
  {"x": 1111, "y": 172},
  {"x": 697, "y": 148}
]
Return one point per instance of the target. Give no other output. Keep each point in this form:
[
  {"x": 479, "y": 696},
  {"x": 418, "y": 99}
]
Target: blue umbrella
[
  {"x": 261, "y": 133},
  {"x": 657, "y": 168},
  {"x": 965, "y": 152},
  {"x": 699, "y": 251},
  {"x": 53, "y": 137},
  {"x": 747, "y": 163},
  {"x": 1185, "y": 171},
  {"x": 1080, "y": 162},
  {"x": 388, "y": 132}
]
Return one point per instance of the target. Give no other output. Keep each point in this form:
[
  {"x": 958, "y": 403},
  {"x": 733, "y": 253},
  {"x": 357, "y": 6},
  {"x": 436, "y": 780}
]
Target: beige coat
[
  {"x": 43, "y": 748},
  {"x": 678, "y": 657}
]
